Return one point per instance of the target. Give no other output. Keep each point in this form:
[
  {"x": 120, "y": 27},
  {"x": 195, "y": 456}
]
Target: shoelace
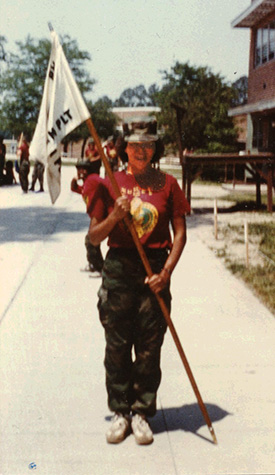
[{"x": 142, "y": 422}]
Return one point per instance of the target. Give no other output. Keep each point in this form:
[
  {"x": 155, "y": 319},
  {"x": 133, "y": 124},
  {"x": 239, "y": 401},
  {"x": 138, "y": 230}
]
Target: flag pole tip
[{"x": 213, "y": 435}]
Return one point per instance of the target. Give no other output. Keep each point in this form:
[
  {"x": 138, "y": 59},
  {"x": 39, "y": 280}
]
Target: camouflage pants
[
  {"x": 23, "y": 175},
  {"x": 94, "y": 255},
  {"x": 134, "y": 331},
  {"x": 38, "y": 174}
]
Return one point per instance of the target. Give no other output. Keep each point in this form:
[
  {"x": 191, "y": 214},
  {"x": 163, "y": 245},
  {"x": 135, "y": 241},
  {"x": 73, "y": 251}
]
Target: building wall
[
  {"x": 129, "y": 114},
  {"x": 240, "y": 122},
  {"x": 261, "y": 80}
]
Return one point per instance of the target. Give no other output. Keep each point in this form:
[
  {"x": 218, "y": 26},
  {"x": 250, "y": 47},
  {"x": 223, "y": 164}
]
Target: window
[
  {"x": 258, "y": 48},
  {"x": 272, "y": 40},
  {"x": 265, "y": 44}
]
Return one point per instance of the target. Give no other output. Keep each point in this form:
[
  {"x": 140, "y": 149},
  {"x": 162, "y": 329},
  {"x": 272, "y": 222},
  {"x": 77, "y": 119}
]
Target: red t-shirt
[
  {"x": 88, "y": 190},
  {"x": 152, "y": 211},
  {"x": 24, "y": 152}
]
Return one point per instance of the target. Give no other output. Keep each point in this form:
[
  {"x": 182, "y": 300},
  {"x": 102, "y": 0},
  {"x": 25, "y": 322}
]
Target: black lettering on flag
[
  {"x": 61, "y": 120},
  {"x": 52, "y": 133},
  {"x": 51, "y": 72},
  {"x": 58, "y": 164},
  {"x": 68, "y": 114},
  {"x": 58, "y": 123}
]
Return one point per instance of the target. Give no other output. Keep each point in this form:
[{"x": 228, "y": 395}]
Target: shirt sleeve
[
  {"x": 179, "y": 205},
  {"x": 97, "y": 206}
]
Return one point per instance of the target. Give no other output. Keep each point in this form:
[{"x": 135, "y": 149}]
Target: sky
[{"x": 132, "y": 41}]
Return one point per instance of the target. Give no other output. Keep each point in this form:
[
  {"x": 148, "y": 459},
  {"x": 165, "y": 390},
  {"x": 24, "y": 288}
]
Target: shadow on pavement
[
  {"x": 199, "y": 219},
  {"x": 187, "y": 418},
  {"x": 244, "y": 206},
  {"x": 34, "y": 223}
]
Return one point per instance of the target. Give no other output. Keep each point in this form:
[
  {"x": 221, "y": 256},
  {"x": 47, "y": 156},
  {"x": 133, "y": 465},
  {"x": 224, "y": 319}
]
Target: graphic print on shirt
[{"x": 145, "y": 216}]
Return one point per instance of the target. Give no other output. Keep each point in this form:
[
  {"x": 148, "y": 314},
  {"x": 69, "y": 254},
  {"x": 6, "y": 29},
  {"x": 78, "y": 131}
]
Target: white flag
[{"x": 62, "y": 110}]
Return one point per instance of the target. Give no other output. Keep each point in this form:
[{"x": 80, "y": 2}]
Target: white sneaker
[
  {"x": 142, "y": 430},
  {"x": 119, "y": 429}
]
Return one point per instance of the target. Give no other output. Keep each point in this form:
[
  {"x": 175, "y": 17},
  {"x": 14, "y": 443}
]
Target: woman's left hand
[{"x": 157, "y": 282}]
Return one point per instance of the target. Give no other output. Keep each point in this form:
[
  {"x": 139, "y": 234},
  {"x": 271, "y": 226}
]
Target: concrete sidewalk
[{"x": 54, "y": 413}]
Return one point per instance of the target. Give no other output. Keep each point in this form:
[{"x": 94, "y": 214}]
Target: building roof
[
  {"x": 256, "y": 12},
  {"x": 134, "y": 114},
  {"x": 136, "y": 110},
  {"x": 260, "y": 106}
]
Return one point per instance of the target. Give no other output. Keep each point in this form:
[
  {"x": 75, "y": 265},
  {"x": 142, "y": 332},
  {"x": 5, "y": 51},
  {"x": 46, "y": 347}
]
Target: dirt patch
[{"x": 230, "y": 242}]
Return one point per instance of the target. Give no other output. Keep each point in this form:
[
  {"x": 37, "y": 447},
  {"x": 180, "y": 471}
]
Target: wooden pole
[
  {"x": 179, "y": 113},
  {"x": 20, "y": 142},
  {"x": 269, "y": 188},
  {"x": 246, "y": 243},
  {"x": 150, "y": 273},
  {"x": 258, "y": 190},
  {"x": 215, "y": 219}
]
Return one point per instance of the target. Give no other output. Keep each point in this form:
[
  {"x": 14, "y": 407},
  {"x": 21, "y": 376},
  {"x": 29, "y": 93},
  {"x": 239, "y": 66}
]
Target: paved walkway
[{"x": 53, "y": 403}]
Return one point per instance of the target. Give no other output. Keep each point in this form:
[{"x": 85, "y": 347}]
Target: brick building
[{"x": 259, "y": 111}]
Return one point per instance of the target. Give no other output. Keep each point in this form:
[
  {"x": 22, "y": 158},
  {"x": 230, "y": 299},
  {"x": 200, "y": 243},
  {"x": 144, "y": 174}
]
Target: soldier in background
[
  {"x": 2, "y": 156},
  {"x": 92, "y": 155},
  {"x": 38, "y": 174},
  {"x": 89, "y": 183},
  {"x": 24, "y": 164},
  {"x": 112, "y": 154}
]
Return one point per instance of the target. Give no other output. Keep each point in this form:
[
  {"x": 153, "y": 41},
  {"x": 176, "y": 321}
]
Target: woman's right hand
[{"x": 121, "y": 207}]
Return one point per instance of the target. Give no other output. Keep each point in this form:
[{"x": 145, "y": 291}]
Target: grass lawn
[
  {"x": 260, "y": 273},
  {"x": 236, "y": 206}
]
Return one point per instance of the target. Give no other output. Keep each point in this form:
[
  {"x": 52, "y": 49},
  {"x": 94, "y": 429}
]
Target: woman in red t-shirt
[
  {"x": 129, "y": 311},
  {"x": 92, "y": 154}
]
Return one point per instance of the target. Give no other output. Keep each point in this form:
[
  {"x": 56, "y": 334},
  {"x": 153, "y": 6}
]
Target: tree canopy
[
  {"x": 206, "y": 98},
  {"x": 137, "y": 97},
  {"x": 22, "y": 82},
  {"x": 241, "y": 90}
]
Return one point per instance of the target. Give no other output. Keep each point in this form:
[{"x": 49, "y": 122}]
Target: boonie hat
[{"x": 141, "y": 131}]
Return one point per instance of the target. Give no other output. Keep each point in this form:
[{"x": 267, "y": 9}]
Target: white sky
[{"x": 131, "y": 41}]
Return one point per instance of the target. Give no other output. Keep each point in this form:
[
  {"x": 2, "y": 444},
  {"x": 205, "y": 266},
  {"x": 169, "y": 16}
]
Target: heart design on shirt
[{"x": 145, "y": 216}]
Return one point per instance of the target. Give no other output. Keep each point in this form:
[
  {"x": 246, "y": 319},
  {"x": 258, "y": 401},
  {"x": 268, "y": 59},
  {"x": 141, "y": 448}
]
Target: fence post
[
  {"x": 215, "y": 219},
  {"x": 246, "y": 243}
]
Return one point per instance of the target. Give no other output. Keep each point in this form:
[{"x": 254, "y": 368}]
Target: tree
[
  {"x": 206, "y": 99},
  {"x": 3, "y": 53},
  {"x": 241, "y": 89},
  {"x": 104, "y": 121},
  {"x": 21, "y": 84},
  {"x": 136, "y": 97}
]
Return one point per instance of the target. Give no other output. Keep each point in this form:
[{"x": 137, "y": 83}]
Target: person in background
[
  {"x": 38, "y": 174},
  {"x": 86, "y": 184},
  {"x": 92, "y": 155},
  {"x": 8, "y": 177},
  {"x": 24, "y": 165},
  {"x": 2, "y": 156},
  {"x": 111, "y": 154},
  {"x": 128, "y": 308}
]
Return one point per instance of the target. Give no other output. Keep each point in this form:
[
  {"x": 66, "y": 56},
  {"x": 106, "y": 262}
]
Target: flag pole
[
  {"x": 149, "y": 272},
  {"x": 84, "y": 115}
]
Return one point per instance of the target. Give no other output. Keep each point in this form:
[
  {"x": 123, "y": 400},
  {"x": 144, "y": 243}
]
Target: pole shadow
[{"x": 187, "y": 418}]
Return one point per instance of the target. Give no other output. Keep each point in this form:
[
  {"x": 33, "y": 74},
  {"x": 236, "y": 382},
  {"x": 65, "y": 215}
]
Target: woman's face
[{"x": 140, "y": 155}]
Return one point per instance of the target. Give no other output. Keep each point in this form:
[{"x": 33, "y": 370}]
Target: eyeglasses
[{"x": 143, "y": 145}]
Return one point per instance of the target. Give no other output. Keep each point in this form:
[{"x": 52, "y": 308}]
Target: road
[{"x": 53, "y": 403}]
